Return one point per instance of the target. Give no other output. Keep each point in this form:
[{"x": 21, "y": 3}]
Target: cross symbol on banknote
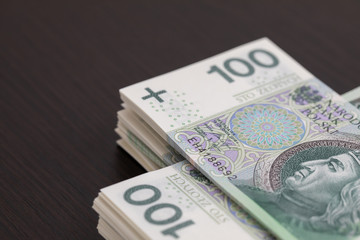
[{"x": 154, "y": 94}]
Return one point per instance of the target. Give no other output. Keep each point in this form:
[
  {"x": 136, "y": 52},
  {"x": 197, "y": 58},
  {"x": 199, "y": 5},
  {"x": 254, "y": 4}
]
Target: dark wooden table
[{"x": 62, "y": 63}]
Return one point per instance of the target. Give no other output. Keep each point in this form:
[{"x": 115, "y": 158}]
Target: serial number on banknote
[{"x": 211, "y": 159}]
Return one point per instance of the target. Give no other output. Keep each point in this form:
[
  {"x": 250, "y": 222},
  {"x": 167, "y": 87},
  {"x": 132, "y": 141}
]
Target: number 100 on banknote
[{"x": 274, "y": 138}]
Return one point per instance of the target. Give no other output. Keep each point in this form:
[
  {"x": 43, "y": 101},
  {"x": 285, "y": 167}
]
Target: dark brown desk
[{"x": 62, "y": 63}]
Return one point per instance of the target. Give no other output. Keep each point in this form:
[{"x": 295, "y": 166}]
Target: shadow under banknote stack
[{"x": 249, "y": 127}]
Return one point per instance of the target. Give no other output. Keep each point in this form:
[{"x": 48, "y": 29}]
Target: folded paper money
[{"x": 262, "y": 128}]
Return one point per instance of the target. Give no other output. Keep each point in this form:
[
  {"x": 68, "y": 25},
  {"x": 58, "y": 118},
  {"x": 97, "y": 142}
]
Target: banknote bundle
[
  {"x": 253, "y": 124},
  {"x": 171, "y": 203},
  {"x": 134, "y": 132}
]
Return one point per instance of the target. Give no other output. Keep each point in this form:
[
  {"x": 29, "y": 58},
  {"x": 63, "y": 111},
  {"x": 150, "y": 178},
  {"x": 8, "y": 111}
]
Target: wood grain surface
[{"x": 62, "y": 63}]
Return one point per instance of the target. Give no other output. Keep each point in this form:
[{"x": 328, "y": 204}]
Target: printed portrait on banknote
[
  {"x": 290, "y": 155},
  {"x": 273, "y": 137},
  {"x": 316, "y": 186}
]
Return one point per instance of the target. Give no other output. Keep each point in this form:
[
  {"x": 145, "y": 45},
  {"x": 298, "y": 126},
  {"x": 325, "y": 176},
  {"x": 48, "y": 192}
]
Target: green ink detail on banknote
[
  {"x": 256, "y": 134},
  {"x": 295, "y": 153},
  {"x": 139, "y": 145}
]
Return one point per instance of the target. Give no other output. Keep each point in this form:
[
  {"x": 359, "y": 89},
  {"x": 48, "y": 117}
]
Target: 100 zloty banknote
[{"x": 273, "y": 137}]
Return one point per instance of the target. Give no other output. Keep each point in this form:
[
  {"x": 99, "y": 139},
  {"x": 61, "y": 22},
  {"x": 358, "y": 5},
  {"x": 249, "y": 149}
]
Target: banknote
[
  {"x": 136, "y": 150},
  {"x": 107, "y": 231},
  {"x": 144, "y": 155},
  {"x": 353, "y": 97},
  {"x": 135, "y": 132},
  {"x": 274, "y": 138},
  {"x": 170, "y": 203},
  {"x": 145, "y": 133}
]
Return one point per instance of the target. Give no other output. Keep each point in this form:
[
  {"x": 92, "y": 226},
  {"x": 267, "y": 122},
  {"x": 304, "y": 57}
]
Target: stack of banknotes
[{"x": 244, "y": 145}]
